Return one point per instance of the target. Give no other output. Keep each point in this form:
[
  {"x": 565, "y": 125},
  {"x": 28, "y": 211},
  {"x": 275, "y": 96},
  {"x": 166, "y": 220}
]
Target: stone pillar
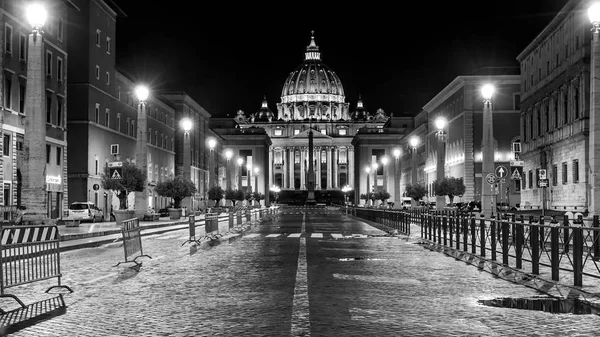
[
  {"x": 488, "y": 202},
  {"x": 440, "y": 200},
  {"x": 397, "y": 181},
  {"x": 286, "y": 162},
  {"x": 270, "y": 167},
  {"x": 141, "y": 160},
  {"x": 292, "y": 164},
  {"x": 351, "y": 168},
  {"x": 335, "y": 167},
  {"x": 302, "y": 169},
  {"x": 329, "y": 169},
  {"x": 594, "y": 147},
  {"x": 317, "y": 167},
  {"x": 34, "y": 195}
]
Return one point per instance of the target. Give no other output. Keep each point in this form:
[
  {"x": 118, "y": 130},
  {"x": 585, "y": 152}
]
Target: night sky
[{"x": 228, "y": 56}]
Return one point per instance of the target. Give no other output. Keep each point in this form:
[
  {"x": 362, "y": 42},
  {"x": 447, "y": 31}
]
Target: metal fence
[
  {"x": 132, "y": 241},
  {"x": 394, "y": 219},
  {"x": 572, "y": 246},
  {"x": 29, "y": 254}
]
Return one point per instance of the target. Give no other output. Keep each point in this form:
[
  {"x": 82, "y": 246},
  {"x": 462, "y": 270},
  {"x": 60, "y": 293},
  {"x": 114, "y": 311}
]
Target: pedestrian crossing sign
[
  {"x": 116, "y": 173},
  {"x": 516, "y": 175}
]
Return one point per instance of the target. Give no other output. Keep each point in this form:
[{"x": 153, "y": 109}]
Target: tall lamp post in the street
[
  {"x": 397, "y": 178},
  {"x": 487, "y": 167},
  {"x": 594, "y": 147},
  {"x": 249, "y": 177},
  {"x": 346, "y": 189},
  {"x": 211, "y": 162},
  {"x": 384, "y": 162},
  {"x": 368, "y": 190},
  {"x": 256, "y": 180},
  {"x": 440, "y": 124},
  {"x": 374, "y": 168},
  {"x": 414, "y": 142},
  {"x": 240, "y": 162},
  {"x": 141, "y": 155},
  {"x": 34, "y": 194},
  {"x": 186, "y": 169},
  {"x": 228, "y": 156}
]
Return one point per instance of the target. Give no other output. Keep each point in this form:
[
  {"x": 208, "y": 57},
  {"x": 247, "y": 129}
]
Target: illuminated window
[
  {"x": 342, "y": 132},
  {"x": 278, "y": 132},
  {"x": 323, "y": 131},
  {"x": 296, "y": 132}
]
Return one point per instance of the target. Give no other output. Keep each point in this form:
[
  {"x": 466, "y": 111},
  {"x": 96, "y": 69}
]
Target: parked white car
[{"x": 85, "y": 211}]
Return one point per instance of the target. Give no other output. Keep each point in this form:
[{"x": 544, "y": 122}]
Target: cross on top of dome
[{"x": 312, "y": 51}]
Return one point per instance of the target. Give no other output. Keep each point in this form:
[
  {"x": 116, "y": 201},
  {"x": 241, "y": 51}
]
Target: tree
[
  {"x": 258, "y": 196},
  {"x": 230, "y": 195},
  {"x": 133, "y": 180},
  {"x": 449, "y": 186},
  {"x": 239, "y": 195},
  {"x": 177, "y": 188},
  {"x": 416, "y": 191},
  {"x": 382, "y": 195},
  {"x": 215, "y": 193}
]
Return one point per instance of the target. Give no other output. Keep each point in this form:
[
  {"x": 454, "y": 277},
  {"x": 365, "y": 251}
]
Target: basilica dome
[
  {"x": 264, "y": 114},
  {"x": 312, "y": 81}
]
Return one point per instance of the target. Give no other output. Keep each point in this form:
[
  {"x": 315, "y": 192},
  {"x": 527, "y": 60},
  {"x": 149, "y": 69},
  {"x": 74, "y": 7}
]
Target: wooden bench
[{"x": 151, "y": 217}]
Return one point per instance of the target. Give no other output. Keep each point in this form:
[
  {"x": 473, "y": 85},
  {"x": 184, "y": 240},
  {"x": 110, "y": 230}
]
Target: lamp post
[
  {"x": 256, "y": 180},
  {"x": 384, "y": 162},
  {"x": 34, "y": 192},
  {"x": 368, "y": 190},
  {"x": 228, "y": 156},
  {"x": 440, "y": 124},
  {"x": 414, "y": 142},
  {"x": 240, "y": 162},
  {"x": 487, "y": 200},
  {"x": 141, "y": 155},
  {"x": 397, "y": 178},
  {"x": 594, "y": 147},
  {"x": 276, "y": 191},
  {"x": 249, "y": 177},
  {"x": 186, "y": 169},
  {"x": 211, "y": 161},
  {"x": 346, "y": 189}
]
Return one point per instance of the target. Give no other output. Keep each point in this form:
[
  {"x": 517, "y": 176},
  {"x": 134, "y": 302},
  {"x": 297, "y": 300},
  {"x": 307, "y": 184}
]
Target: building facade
[
  {"x": 18, "y": 48},
  {"x": 460, "y": 103},
  {"x": 555, "y": 110}
]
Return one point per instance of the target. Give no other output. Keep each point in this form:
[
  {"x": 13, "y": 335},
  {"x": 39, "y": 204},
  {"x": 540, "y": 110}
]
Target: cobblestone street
[{"x": 308, "y": 272}]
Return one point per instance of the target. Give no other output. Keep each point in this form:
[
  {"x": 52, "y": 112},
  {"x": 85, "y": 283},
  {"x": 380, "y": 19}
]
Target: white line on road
[
  {"x": 253, "y": 235},
  {"x": 272, "y": 235},
  {"x": 300, "y": 311},
  {"x": 294, "y": 235},
  {"x": 378, "y": 279},
  {"x": 317, "y": 235},
  {"x": 337, "y": 236}
]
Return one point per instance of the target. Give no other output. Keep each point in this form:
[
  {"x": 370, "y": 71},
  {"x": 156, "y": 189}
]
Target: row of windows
[
  {"x": 51, "y": 27},
  {"x": 530, "y": 180},
  {"x": 54, "y": 103},
  {"x": 59, "y": 66},
  {"x": 57, "y": 154},
  {"x": 279, "y": 132},
  {"x": 98, "y": 41},
  {"x": 559, "y": 109},
  {"x": 106, "y": 75}
]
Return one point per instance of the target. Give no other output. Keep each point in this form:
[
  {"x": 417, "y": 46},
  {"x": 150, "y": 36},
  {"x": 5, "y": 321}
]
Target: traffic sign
[
  {"x": 115, "y": 164},
  {"x": 543, "y": 183},
  {"x": 501, "y": 171},
  {"x": 517, "y": 172},
  {"x": 542, "y": 174},
  {"x": 517, "y": 163},
  {"x": 491, "y": 178}
]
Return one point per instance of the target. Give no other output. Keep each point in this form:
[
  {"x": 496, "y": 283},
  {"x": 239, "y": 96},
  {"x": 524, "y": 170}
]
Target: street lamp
[
  {"x": 346, "y": 189},
  {"x": 141, "y": 155},
  {"x": 440, "y": 124},
  {"x": 384, "y": 162},
  {"x": 397, "y": 177},
  {"x": 256, "y": 179},
  {"x": 276, "y": 191},
  {"x": 34, "y": 192},
  {"x": 374, "y": 166},
  {"x": 228, "y": 156},
  {"x": 368, "y": 170},
  {"x": 211, "y": 161},
  {"x": 240, "y": 162},
  {"x": 249, "y": 176},
  {"x": 487, "y": 200},
  {"x": 186, "y": 125},
  {"x": 594, "y": 135},
  {"x": 414, "y": 142}
]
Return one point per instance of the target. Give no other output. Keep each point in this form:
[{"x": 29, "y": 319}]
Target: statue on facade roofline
[
  {"x": 241, "y": 117},
  {"x": 379, "y": 116}
]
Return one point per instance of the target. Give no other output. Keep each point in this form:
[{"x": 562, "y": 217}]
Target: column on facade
[
  {"x": 350, "y": 166},
  {"x": 271, "y": 166},
  {"x": 329, "y": 169},
  {"x": 317, "y": 165},
  {"x": 335, "y": 167},
  {"x": 302, "y": 169},
  {"x": 292, "y": 152},
  {"x": 285, "y": 158}
]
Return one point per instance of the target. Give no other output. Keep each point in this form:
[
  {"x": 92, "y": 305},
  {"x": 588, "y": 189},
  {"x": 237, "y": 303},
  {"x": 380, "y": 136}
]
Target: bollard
[
  {"x": 482, "y": 236},
  {"x": 473, "y": 236},
  {"x": 239, "y": 217},
  {"x": 578, "y": 256},
  {"x": 230, "y": 220},
  {"x": 566, "y": 226}
]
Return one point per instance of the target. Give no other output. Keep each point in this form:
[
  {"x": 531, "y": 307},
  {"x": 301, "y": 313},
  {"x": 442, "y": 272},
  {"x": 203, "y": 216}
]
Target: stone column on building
[
  {"x": 284, "y": 158},
  {"x": 270, "y": 168},
  {"x": 329, "y": 169},
  {"x": 317, "y": 164},
  {"x": 350, "y": 161},
  {"x": 334, "y": 165},
  {"x": 292, "y": 164},
  {"x": 302, "y": 169}
]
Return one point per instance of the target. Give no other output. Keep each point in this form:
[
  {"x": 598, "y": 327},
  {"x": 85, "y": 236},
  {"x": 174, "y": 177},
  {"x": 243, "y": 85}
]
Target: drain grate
[{"x": 547, "y": 304}]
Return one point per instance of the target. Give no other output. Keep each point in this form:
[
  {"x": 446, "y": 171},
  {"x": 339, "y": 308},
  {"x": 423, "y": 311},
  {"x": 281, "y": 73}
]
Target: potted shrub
[
  {"x": 215, "y": 193},
  {"x": 133, "y": 180},
  {"x": 178, "y": 189}
]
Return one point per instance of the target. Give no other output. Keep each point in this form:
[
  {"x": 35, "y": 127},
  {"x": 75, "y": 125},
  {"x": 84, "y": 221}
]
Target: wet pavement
[{"x": 306, "y": 272}]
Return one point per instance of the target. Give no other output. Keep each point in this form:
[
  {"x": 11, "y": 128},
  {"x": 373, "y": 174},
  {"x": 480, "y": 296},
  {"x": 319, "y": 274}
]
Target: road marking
[
  {"x": 300, "y": 308},
  {"x": 337, "y": 236},
  {"x": 253, "y": 235},
  {"x": 294, "y": 235},
  {"x": 377, "y": 279},
  {"x": 272, "y": 235},
  {"x": 99, "y": 278},
  {"x": 316, "y": 235}
]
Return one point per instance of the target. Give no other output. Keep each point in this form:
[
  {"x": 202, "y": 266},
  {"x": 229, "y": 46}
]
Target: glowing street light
[
  {"x": 414, "y": 142},
  {"x": 228, "y": 156},
  {"x": 368, "y": 190},
  {"x": 487, "y": 198},
  {"x": 240, "y": 162},
  {"x": 440, "y": 124},
  {"x": 397, "y": 177}
]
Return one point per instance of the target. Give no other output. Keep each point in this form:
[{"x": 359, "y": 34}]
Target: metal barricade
[
  {"x": 192, "y": 226},
  {"x": 230, "y": 218},
  {"x": 132, "y": 241},
  {"x": 211, "y": 223},
  {"x": 29, "y": 254}
]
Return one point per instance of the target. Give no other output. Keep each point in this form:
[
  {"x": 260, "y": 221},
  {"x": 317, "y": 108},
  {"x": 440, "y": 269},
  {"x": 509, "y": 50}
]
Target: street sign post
[
  {"x": 501, "y": 171},
  {"x": 115, "y": 170},
  {"x": 490, "y": 178}
]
